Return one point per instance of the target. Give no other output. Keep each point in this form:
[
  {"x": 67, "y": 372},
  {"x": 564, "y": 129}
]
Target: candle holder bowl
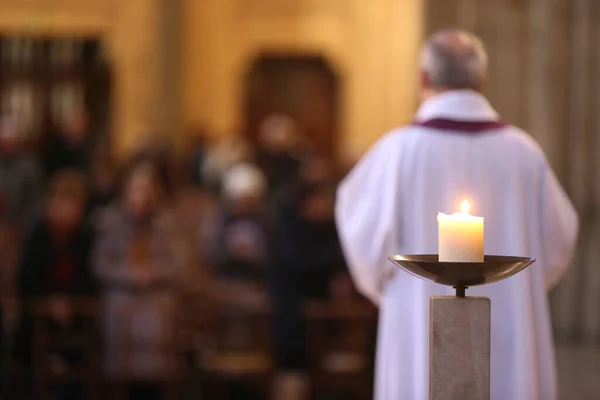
[{"x": 461, "y": 275}]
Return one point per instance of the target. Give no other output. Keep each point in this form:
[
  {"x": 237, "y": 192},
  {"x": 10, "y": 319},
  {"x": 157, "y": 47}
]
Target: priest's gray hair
[{"x": 454, "y": 59}]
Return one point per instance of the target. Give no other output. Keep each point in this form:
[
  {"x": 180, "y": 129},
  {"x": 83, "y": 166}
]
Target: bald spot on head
[{"x": 454, "y": 59}]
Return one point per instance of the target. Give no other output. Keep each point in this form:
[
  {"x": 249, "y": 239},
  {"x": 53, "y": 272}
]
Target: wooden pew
[
  {"x": 78, "y": 345},
  {"x": 237, "y": 341},
  {"x": 167, "y": 373},
  {"x": 341, "y": 343}
]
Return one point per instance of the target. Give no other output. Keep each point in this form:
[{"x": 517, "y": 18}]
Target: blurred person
[
  {"x": 69, "y": 146},
  {"x": 9, "y": 249},
  {"x": 235, "y": 247},
  {"x": 55, "y": 266},
  {"x": 387, "y": 205},
  {"x": 306, "y": 258},
  {"x": 221, "y": 157},
  {"x": 21, "y": 183},
  {"x": 317, "y": 170},
  {"x": 102, "y": 180},
  {"x": 197, "y": 158},
  {"x": 56, "y": 254},
  {"x": 139, "y": 264},
  {"x": 161, "y": 156},
  {"x": 235, "y": 235},
  {"x": 280, "y": 150}
]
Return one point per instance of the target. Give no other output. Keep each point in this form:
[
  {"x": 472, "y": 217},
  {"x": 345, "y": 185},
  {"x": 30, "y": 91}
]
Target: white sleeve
[
  {"x": 365, "y": 215},
  {"x": 559, "y": 228}
]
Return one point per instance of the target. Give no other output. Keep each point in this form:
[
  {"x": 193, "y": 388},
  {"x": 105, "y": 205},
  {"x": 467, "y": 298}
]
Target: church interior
[{"x": 133, "y": 135}]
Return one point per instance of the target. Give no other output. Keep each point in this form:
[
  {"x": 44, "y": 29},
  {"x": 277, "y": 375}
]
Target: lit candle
[{"x": 460, "y": 236}]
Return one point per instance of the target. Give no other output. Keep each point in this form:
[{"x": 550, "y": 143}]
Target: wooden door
[{"x": 303, "y": 87}]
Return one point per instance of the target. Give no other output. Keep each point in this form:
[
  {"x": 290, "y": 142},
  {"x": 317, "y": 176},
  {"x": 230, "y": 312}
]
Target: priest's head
[{"x": 452, "y": 59}]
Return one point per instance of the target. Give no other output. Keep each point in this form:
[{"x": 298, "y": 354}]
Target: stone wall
[
  {"x": 372, "y": 45},
  {"x": 129, "y": 30}
]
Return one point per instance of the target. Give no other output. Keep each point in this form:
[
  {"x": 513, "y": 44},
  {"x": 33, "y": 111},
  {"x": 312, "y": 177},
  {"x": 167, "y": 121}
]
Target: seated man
[{"x": 308, "y": 262}]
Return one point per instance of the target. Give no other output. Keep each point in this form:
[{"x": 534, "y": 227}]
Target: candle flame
[{"x": 465, "y": 207}]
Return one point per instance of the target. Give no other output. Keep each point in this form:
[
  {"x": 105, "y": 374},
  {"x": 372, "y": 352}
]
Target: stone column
[
  {"x": 459, "y": 348},
  {"x": 136, "y": 55}
]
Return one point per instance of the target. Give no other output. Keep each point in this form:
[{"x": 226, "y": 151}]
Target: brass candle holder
[
  {"x": 460, "y": 326},
  {"x": 461, "y": 275}
]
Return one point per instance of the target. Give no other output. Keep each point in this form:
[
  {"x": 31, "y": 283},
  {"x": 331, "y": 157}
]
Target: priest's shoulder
[
  {"x": 395, "y": 140},
  {"x": 396, "y": 136},
  {"x": 524, "y": 142},
  {"x": 399, "y": 137}
]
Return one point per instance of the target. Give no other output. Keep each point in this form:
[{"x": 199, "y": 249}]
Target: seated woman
[
  {"x": 55, "y": 263},
  {"x": 235, "y": 236},
  {"x": 140, "y": 266}
]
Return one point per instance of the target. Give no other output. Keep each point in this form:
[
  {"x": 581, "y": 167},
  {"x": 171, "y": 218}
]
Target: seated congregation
[{"x": 229, "y": 283}]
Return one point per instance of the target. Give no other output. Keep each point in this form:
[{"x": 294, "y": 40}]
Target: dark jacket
[
  {"x": 21, "y": 188},
  {"x": 196, "y": 167},
  {"x": 222, "y": 231},
  {"x": 47, "y": 269},
  {"x": 306, "y": 256},
  {"x": 280, "y": 168}
]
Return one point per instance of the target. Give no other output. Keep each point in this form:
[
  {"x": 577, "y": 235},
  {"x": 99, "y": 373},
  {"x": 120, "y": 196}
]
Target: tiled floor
[{"x": 579, "y": 371}]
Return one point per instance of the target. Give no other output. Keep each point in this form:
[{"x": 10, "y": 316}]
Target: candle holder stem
[{"x": 460, "y": 290}]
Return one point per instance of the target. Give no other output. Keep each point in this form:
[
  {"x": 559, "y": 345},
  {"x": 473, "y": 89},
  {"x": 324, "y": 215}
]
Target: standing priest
[{"x": 457, "y": 148}]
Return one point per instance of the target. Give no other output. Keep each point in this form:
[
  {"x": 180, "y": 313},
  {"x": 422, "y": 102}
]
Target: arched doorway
[{"x": 304, "y": 87}]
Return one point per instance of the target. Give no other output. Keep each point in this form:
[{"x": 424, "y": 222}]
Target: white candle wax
[{"x": 460, "y": 236}]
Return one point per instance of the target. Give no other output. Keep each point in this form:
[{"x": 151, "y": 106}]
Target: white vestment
[{"x": 389, "y": 204}]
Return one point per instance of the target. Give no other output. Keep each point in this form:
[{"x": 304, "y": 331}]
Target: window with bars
[{"x": 41, "y": 79}]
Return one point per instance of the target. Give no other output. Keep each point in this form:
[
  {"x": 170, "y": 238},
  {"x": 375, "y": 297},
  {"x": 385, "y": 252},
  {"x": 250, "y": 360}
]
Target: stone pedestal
[{"x": 459, "y": 348}]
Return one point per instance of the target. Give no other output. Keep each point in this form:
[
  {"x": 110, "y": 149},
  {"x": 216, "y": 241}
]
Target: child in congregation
[
  {"x": 235, "y": 235},
  {"x": 235, "y": 246}
]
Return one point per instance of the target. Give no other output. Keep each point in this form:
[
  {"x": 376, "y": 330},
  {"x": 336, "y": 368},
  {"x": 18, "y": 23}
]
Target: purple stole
[{"x": 466, "y": 127}]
